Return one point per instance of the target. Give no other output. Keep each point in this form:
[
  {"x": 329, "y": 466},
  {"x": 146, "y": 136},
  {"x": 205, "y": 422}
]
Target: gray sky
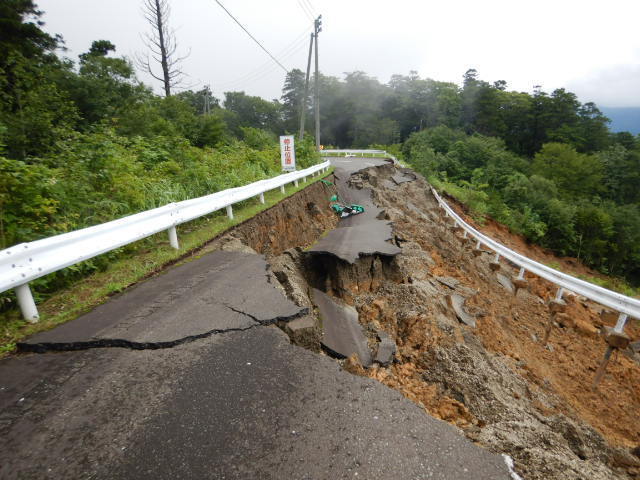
[{"x": 590, "y": 47}]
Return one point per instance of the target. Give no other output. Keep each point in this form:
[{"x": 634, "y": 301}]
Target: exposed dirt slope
[
  {"x": 498, "y": 382},
  {"x": 297, "y": 221}
]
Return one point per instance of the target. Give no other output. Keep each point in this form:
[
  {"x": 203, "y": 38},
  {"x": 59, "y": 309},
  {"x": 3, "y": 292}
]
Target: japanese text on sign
[{"x": 287, "y": 153}]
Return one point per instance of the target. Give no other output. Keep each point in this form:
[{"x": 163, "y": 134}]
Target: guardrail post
[
  {"x": 262, "y": 198},
  {"x": 230, "y": 212},
  {"x": 282, "y": 189},
  {"x": 295, "y": 183},
  {"x": 616, "y": 339},
  {"x": 519, "y": 282},
  {"x": 495, "y": 265},
  {"x": 26, "y": 303},
  {"x": 622, "y": 321},
  {"x": 556, "y": 306},
  {"x": 304, "y": 179},
  {"x": 477, "y": 251},
  {"x": 173, "y": 237}
]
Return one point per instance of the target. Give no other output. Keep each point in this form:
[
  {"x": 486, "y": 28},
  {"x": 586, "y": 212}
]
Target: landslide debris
[{"x": 497, "y": 382}]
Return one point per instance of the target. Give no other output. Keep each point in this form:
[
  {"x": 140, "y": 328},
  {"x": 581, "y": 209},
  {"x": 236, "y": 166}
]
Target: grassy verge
[
  {"x": 139, "y": 261},
  {"x": 475, "y": 200}
]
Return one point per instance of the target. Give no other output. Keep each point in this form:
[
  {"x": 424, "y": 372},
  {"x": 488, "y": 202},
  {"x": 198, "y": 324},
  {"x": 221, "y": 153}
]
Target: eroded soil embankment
[
  {"x": 296, "y": 222},
  {"x": 498, "y": 382}
]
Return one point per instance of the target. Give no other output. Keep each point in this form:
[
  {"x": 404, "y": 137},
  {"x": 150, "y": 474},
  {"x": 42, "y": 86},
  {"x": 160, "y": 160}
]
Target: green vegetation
[
  {"x": 561, "y": 199},
  {"x": 85, "y": 142},
  {"x": 132, "y": 264}
]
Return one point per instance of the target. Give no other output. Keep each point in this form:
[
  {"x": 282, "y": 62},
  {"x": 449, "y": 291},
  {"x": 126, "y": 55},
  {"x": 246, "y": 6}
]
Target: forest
[
  {"x": 83, "y": 141},
  {"x": 544, "y": 164}
]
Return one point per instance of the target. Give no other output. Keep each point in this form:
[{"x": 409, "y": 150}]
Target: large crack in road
[{"x": 242, "y": 404}]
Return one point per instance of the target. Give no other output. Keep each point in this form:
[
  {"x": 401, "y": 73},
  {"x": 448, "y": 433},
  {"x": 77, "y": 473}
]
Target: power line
[
  {"x": 311, "y": 9},
  {"x": 252, "y": 37},
  {"x": 255, "y": 76},
  {"x": 305, "y": 9},
  {"x": 266, "y": 68}
]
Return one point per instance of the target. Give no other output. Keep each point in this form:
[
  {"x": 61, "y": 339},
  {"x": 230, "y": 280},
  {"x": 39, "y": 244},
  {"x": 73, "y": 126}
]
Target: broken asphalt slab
[
  {"x": 220, "y": 292},
  {"x": 349, "y": 243},
  {"x": 457, "y": 303},
  {"x": 357, "y": 235},
  {"x": 386, "y": 348},
  {"x": 403, "y": 177},
  {"x": 242, "y": 405},
  {"x": 341, "y": 332},
  {"x": 505, "y": 282}
]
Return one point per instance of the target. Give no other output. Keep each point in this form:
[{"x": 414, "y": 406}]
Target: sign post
[{"x": 287, "y": 153}]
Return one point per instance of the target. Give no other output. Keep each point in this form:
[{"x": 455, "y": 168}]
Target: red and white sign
[{"x": 287, "y": 153}]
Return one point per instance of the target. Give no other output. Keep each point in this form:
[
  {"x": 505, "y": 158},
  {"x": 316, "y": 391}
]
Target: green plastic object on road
[{"x": 347, "y": 210}]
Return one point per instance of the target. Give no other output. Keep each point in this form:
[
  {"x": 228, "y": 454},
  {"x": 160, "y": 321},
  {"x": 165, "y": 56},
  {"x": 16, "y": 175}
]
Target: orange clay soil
[{"x": 568, "y": 367}]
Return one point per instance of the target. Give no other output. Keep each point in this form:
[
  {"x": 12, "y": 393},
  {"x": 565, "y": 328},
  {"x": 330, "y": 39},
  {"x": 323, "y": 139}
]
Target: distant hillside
[{"x": 623, "y": 119}]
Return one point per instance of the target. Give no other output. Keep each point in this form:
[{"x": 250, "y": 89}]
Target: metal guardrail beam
[
  {"x": 614, "y": 300},
  {"x": 381, "y": 153},
  {"x": 353, "y": 151},
  {"x": 26, "y": 262}
]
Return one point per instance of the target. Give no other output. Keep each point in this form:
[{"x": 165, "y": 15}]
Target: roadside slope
[{"x": 498, "y": 382}]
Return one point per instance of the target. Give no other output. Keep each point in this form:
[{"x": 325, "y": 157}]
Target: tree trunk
[{"x": 163, "y": 51}]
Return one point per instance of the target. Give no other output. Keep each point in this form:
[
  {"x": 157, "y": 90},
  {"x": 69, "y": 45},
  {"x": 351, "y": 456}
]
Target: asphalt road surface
[
  {"x": 184, "y": 377},
  {"x": 362, "y": 234}
]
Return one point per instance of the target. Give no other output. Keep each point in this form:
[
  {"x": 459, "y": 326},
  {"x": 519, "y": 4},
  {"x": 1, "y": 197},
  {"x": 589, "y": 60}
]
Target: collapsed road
[{"x": 187, "y": 374}]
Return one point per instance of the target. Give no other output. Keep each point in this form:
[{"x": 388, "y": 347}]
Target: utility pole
[
  {"x": 318, "y": 28},
  {"x": 303, "y": 104},
  {"x": 207, "y": 105}
]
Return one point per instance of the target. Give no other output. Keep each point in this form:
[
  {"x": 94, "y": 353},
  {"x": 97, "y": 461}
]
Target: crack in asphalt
[
  {"x": 133, "y": 345},
  {"x": 122, "y": 343},
  {"x": 286, "y": 318}
]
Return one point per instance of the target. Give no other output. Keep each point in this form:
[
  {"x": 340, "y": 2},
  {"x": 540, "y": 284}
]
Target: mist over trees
[
  {"x": 84, "y": 141},
  {"x": 544, "y": 164}
]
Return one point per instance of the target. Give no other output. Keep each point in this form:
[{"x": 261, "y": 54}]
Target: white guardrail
[
  {"x": 627, "y": 306},
  {"x": 380, "y": 153},
  {"x": 26, "y": 262}
]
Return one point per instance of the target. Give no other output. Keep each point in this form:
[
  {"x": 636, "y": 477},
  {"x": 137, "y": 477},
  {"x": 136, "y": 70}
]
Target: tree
[
  {"x": 470, "y": 91},
  {"x": 576, "y": 174},
  {"x": 104, "y": 86},
  {"x": 202, "y": 100},
  {"x": 162, "y": 44},
  {"x": 251, "y": 111},
  {"x": 621, "y": 174},
  {"x": 292, "y": 98},
  {"x": 20, "y": 31}
]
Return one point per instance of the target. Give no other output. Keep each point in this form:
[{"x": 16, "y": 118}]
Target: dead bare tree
[{"x": 162, "y": 45}]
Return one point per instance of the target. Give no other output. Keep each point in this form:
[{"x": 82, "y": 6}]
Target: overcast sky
[{"x": 589, "y": 47}]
